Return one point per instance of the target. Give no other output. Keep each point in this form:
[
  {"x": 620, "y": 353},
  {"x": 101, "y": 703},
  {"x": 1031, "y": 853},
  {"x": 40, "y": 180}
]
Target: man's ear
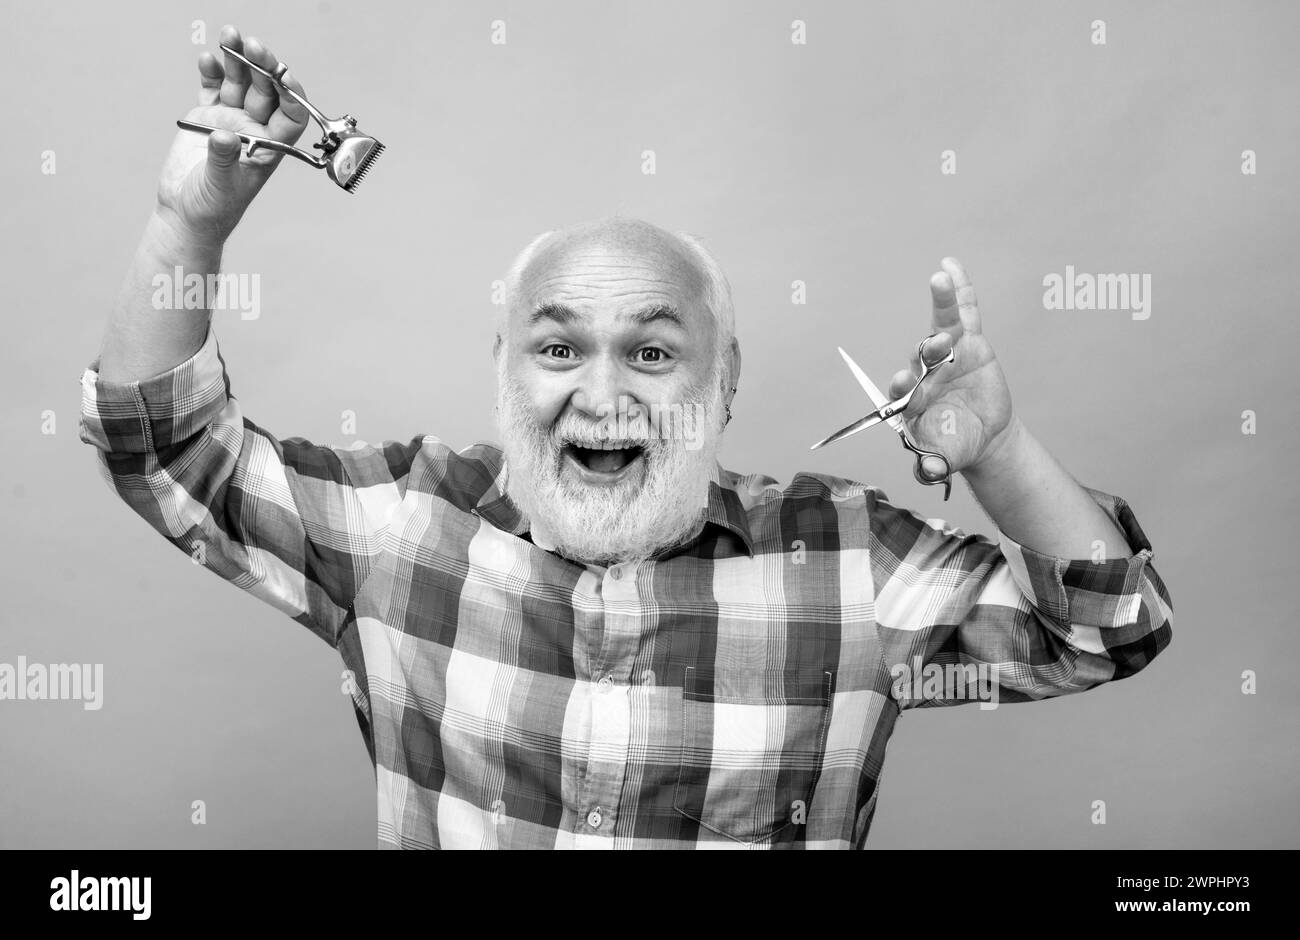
[{"x": 733, "y": 367}]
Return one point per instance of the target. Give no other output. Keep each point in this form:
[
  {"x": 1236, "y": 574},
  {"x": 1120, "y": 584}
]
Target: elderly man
[{"x": 594, "y": 636}]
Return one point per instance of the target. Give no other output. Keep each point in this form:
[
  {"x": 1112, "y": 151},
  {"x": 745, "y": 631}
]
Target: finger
[
  {"x": 922, "y": 394},
  {"x": 901, "y": 383},
  {"x": 235, "y": 86},
  {"x": 967, "y": 307},
  {"x": 289, "y": 120},
  {"x": 935, "y": 348},
  {"x": 943, "y": 297},
  {"x": 211, "y": 75},
  {"x": 932, "y": 468},
  {"x": 262, "y": 97},
  {"x": 223, "y": 160}
]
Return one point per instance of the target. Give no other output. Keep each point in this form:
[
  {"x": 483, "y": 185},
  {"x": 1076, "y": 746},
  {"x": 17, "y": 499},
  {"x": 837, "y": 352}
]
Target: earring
[{"x": 728, "y": 421}]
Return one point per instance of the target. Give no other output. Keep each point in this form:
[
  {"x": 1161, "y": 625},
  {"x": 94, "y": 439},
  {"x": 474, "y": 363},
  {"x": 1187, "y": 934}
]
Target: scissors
[{"x": 889, "y": 412}]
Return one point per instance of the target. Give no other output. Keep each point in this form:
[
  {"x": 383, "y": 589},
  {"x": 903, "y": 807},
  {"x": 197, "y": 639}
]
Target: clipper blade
[{"x": 352, "y": 159}]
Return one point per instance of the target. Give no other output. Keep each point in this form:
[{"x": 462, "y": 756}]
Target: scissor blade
[
  {"x": 878, "y": 398},
  {"x": 860, "y": 425}
]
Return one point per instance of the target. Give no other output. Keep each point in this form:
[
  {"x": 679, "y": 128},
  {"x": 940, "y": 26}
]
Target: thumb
[{"x": 222, "y": 170}]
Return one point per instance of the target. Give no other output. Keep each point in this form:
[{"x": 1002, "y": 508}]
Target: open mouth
[{"x": 604, "y": 464}]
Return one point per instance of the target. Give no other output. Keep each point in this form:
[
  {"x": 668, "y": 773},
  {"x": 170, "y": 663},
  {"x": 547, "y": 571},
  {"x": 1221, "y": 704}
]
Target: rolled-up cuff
[
  {"x": 157, "y": 412},
  {"x": 1106, "y": 592}
]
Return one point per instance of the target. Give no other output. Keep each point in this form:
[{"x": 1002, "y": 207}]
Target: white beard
[{"x": 649, "y": 512}]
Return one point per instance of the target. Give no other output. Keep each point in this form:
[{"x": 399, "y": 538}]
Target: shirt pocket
[{"x": 751, "y": 751}]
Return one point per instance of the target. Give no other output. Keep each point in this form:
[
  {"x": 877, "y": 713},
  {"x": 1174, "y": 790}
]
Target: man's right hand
[{"x": 207, "y": 181}]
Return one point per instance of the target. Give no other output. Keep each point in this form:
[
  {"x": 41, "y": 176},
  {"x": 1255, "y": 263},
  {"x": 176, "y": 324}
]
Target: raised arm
[
  {"x": 967, "y": 415},
  {"x": 295, "y": 524},
  {"x": 205, "y": 187},
  {"x": 1066, "y": 597}
]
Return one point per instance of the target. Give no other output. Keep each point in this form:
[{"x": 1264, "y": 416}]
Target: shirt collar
[{"x": 724, "y": 508}]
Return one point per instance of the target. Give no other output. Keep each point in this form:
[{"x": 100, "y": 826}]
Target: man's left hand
[{"x": 963, "y": 409}]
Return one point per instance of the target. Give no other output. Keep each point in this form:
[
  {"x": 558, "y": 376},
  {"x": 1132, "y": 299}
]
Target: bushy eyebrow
[
  {"x": 563, "y": 315},
  {"x": 556, "y": 312},
  {"x": 657, "y": 313}
]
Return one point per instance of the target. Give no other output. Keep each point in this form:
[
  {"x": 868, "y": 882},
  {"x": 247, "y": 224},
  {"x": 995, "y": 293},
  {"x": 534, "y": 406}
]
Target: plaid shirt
[{"x": 738, "y": 692}]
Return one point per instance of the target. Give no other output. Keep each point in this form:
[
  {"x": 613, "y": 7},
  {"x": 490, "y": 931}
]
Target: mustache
[
  {"x": 572, "y": 430},
  {"x": 662, "y": 432}
]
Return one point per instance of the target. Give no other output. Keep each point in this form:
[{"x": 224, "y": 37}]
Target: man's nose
[{"x": 599, "y": 388}]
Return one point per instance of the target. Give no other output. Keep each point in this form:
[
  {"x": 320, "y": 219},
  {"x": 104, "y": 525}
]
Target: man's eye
[
  {"x": 559, "y": 351},
  {"x": 649, "y": 354}
]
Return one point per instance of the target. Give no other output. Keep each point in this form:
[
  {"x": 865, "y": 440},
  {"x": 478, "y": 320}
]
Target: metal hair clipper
[{"x": 346, "y": 153}]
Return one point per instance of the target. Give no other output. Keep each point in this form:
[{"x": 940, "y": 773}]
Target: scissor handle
[
  {"x": 946, "y": 479},
  {"x": 928, "y": 367},
  {"x": 908, "y": 443},
  {"x": 900, "y": 404}
]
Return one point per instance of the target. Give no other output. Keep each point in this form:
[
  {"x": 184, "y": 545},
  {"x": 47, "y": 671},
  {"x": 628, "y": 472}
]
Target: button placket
[{"x": 611, "y": 717}]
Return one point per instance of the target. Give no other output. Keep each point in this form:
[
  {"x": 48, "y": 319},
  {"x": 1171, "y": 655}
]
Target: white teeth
[{"x": 606, "y": 445}]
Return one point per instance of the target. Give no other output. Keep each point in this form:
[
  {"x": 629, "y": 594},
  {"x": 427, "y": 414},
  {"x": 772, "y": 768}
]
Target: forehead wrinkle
[
  {"x": 582, "y": 303},
  {"x": 655, "y": 262},
  {"x": 613, "y": 265},
  {"x": 626, "y": 300},
  {"x": 624, "y": 294},
  {"x": 626, "y": 269},
  {"x": 560, "y": 279}
]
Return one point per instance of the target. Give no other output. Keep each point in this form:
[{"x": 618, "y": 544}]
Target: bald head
[{"x": 625, "y": 254}]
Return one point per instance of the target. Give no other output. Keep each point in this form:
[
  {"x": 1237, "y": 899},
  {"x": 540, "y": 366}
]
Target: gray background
[{"x": 816, "y": 162}]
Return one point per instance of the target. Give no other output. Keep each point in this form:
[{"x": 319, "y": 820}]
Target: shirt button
[
  {"x": 594, "y": 818},
  {"x": 605, "y": 684}
]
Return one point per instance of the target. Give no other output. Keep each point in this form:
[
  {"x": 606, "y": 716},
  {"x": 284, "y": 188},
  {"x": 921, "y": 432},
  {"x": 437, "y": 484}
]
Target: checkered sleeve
[
  {"x": 1039, "y": 625},
  {"x": 295, "y": 524}
]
